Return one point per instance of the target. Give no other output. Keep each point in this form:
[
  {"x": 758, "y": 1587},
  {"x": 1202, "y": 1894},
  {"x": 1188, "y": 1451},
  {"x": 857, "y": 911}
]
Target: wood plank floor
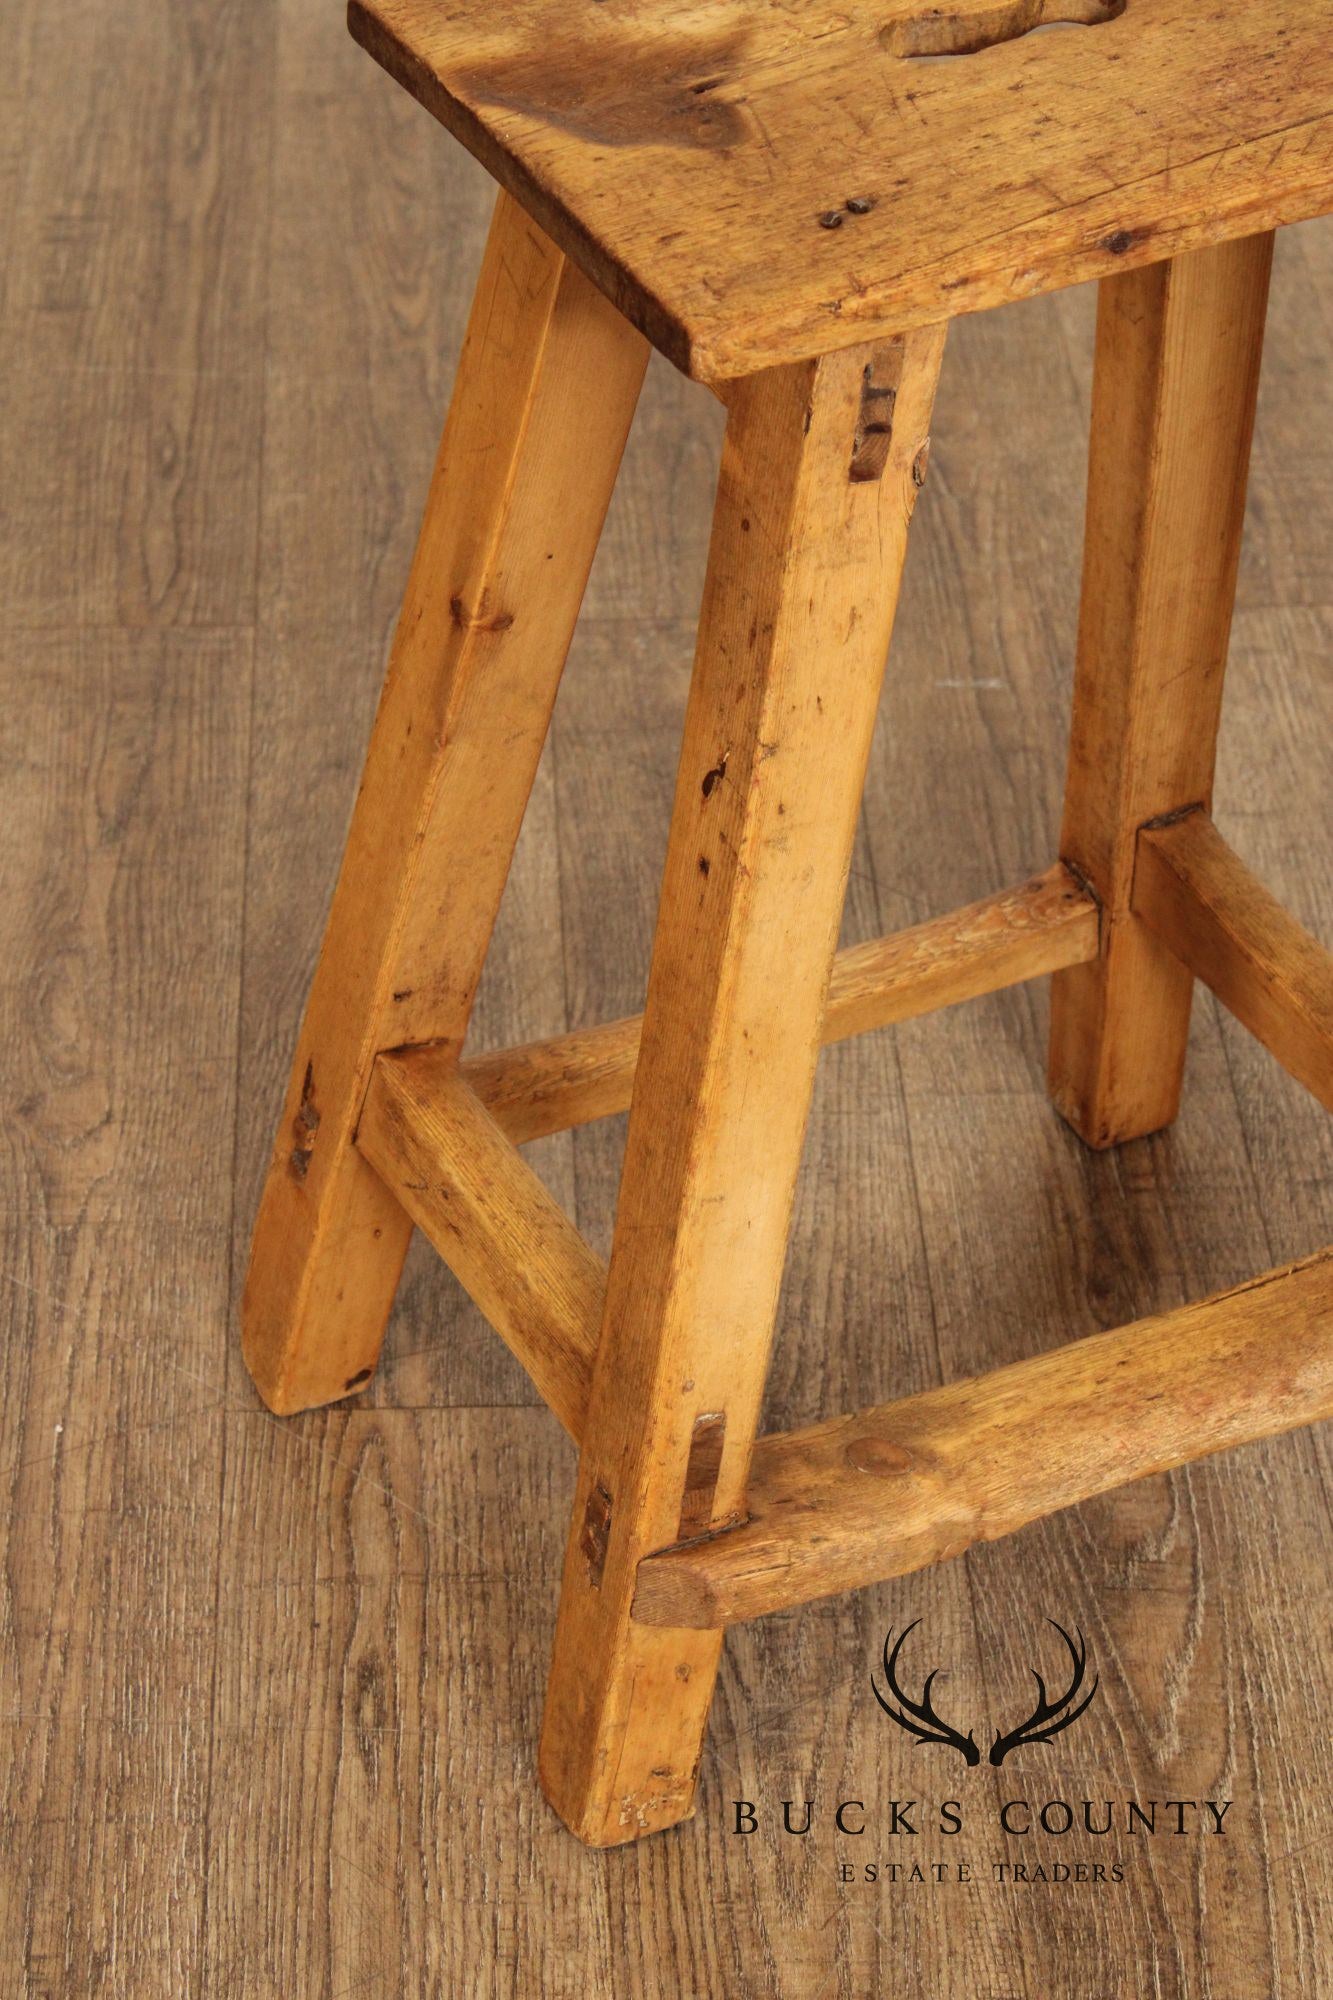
[{"x": 270, "y": 1692}]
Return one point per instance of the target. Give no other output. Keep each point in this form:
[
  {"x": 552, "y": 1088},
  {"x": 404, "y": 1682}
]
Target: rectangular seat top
[{"x": 754, "y": 181}]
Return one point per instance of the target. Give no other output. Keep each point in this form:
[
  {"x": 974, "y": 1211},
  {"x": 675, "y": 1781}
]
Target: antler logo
[{"x": 920, "y": 1720}]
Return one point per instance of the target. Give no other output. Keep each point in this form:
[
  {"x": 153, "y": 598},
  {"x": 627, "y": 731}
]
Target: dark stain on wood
[
  {"x": 480, "y": 620},
  {"x": 304, "y": 1127},
  {"x": 617, "y": 91},
  {"x": 874, "y": 423},
  {"x": 596, "y": 1534},
  {"x": 716, "y": 775},
  {"x": 1121, "y": 240}
]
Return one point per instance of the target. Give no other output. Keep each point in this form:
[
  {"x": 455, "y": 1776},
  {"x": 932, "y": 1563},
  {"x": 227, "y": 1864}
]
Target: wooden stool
[{"x": 790, "y": 201}]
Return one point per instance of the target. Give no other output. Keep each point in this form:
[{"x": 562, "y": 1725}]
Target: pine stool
[{"x": 791, "y": 201}]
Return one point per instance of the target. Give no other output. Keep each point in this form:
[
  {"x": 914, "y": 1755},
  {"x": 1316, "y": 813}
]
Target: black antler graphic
[
  {"x": 1046, "y": 1719},
  {"x": 928, "y": 1727}
]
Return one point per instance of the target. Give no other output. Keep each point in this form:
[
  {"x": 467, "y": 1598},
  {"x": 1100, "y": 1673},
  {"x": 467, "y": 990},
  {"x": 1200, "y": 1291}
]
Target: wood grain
[
  {"x": 803, "y": 577},
  {"x": 1177, "y": 376},
  {"x": 1184, "y": 1589},
  {"x": 1234, "y": 935},
  {"x": 1043, "y": 925},
  {"x": 547, "y": 385},
  {"x": 502, "y": 1235},
  {"x": 892, "y": 1489},
  {"x": 370, "y": 1728},
  {"x": 269, "y": 1692},
  {"x": 752, "y": 184},
  {"x": 132, "y": 314},
  {"x": 124, "y": 765}
]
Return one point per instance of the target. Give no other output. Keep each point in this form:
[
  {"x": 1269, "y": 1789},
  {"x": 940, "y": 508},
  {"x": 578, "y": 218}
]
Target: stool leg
[
  {"x": 546, "y": 388},
  {"x": 808, "y": 541},
  {"x": 1177, "y": 372}
]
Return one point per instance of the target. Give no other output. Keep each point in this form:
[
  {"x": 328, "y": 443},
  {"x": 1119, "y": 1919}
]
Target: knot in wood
[{"x": 880, "y": 1457}]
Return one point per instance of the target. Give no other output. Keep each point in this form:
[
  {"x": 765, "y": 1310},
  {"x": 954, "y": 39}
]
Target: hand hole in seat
[{"x": 965, "y": 29}]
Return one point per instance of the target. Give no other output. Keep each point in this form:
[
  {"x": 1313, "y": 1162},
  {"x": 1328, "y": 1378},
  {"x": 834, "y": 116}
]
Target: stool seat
[{"x": 754, "y": 184}]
